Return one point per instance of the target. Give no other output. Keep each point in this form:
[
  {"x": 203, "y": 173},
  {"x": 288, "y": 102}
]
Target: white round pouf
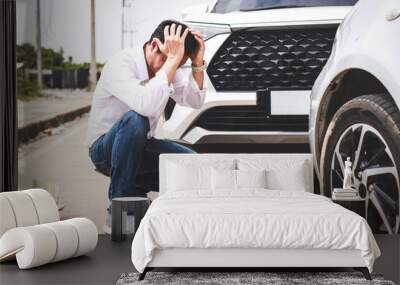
[
  {"x": 7, "y": 216},
  {"x": 45, "y": 205},
  {"x": 87, "y": 234},
  {"x": 67, "y": 240},
  {"x": 31, "y": 233},
  {"x": 23, "y": 208},
  {"x": 32, "y": 246}
]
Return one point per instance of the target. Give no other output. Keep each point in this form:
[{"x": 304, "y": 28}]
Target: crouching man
[{"x": 130, "y": 98}]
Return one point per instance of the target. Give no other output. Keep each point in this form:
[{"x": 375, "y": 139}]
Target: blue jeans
[{"x": 129, "y": 157}]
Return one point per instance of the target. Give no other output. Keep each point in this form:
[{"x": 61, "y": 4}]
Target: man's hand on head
[
  {"x": 174, "y": 42},
  {"x": 197, "y": 57},
  {"x": 173, "y": 48}
]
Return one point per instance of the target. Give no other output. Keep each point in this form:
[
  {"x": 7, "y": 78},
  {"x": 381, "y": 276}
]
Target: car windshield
[{"x": 226, "y": 6}]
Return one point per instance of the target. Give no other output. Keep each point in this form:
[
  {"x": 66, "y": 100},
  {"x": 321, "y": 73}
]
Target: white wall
[{"x": 66, "y": 23}]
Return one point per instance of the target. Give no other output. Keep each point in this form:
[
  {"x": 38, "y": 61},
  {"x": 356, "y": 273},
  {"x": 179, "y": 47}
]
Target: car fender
[{"x": 363, "y": 61}]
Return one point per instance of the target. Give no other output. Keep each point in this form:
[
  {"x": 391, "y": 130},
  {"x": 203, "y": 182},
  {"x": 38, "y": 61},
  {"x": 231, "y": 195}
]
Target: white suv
[
  {"x": 355, "y": 111},
  {"x": 263, "y": 58}
]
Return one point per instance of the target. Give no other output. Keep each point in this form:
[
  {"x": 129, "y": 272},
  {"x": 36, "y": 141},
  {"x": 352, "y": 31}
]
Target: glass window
[{"x": 226, "y": 6}]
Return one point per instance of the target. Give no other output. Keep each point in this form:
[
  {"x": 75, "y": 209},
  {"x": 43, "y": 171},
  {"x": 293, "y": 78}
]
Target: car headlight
[{"x": 208, "y": 31}]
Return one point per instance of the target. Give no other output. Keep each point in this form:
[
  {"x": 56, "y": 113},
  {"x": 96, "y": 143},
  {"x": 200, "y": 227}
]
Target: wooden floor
[{"x": 110, "y": 260}]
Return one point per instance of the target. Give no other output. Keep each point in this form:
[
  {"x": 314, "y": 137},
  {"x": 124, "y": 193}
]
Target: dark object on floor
[
  {"x": 244, "y": 278},
  {"x": 143, "y": 274},
  {"x": 364, "y": 271},
  {"x": 122, "y": 205}
]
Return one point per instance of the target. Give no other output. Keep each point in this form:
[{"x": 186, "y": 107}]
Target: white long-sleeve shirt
[{"x": 124, "y": 85}]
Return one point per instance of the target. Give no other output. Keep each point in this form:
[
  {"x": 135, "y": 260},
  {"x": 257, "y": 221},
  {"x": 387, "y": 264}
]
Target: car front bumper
[
  {"x": 180, "y": 125},
  {"x": 199, "y": 135}
]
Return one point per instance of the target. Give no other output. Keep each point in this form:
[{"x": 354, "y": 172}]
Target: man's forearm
[{"x": 170, "y": 66}]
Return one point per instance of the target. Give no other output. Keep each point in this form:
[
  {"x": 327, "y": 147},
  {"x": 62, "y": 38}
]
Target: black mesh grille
[
  {"x": 252, "y": 60},
  {"x": 249, "y": 118}
]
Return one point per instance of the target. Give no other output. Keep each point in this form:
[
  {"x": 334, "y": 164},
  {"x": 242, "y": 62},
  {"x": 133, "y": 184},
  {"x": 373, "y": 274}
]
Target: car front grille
[
  {"x": 249, "y": 118},
  {"x": 253, "y": 60}
]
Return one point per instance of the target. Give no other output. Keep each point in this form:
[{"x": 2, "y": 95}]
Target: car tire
[{"x": 366, "y": 129}]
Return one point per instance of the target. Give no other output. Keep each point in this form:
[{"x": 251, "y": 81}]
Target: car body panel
[
  {"x": 266, "y": 17},
  {"x": 199, "y": 135},
  {"x": 366, "y": 40},
  {"x": 182, "y": 117}
]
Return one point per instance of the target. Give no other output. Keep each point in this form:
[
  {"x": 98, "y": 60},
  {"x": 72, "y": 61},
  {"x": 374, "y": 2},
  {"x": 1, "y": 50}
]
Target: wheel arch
[{"x": 344, "y": 87}]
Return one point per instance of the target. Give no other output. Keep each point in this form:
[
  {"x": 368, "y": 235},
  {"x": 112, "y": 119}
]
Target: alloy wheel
[{"x": 374, "y": 172}]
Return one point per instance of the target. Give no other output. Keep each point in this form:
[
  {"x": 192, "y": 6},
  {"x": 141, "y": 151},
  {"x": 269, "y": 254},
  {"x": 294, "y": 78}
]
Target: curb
[{"x": 32, "y": 130}]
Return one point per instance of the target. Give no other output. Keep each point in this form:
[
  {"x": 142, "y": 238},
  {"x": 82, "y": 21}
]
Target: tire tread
[
  {"x": 385, "y": 109},
  {"x": 385, "y": 104}
]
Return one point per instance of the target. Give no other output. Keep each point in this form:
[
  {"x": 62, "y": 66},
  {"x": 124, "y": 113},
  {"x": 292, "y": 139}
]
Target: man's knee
[
  {"x": 187, "y": 150},
  {"x": 136, "y": 123},
  {"x": 182, "y": 149}
]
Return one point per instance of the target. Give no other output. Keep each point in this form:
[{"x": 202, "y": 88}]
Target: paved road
[
  {"x": 61, "y": 161},
  {"x": 55, "y": 102}
]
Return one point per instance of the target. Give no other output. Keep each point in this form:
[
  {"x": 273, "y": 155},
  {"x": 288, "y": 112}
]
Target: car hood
[{"x": 286, "y": 15}]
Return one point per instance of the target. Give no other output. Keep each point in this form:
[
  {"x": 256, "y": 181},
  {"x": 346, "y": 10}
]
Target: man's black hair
[{"x": 191, "y": 43}]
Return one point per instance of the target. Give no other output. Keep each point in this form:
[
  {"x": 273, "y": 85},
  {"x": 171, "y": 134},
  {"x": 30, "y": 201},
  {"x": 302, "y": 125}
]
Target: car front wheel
[{"x": 366, "y": 130}]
